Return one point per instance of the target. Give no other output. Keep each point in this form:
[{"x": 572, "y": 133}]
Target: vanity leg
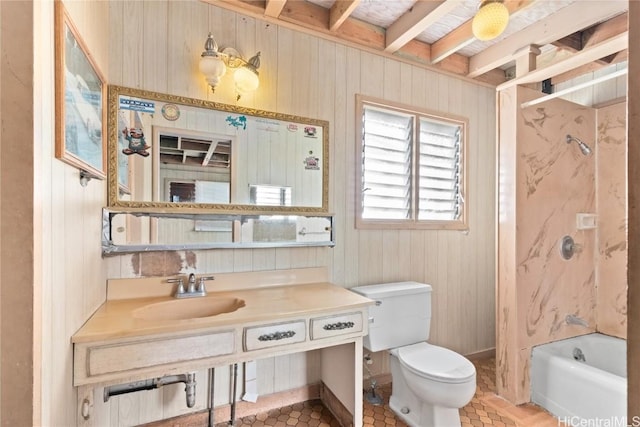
[
  {"x": 342, "y": 375},
  {"x": 358, "y": 358},
  {"x": 85, "y": 413}
]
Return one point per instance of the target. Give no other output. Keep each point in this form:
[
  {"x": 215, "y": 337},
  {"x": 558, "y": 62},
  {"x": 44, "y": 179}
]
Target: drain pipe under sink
[{"x": 188, "y": 379}]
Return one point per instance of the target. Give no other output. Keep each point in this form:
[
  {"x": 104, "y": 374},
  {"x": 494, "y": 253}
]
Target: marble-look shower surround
[
  {"x": 543, "y": 183},
  {"x": 611, "y": 278}
]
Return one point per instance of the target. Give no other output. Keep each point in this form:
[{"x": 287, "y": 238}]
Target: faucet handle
[
  {"x": 201, "y": 286},
  {"x": 180, "y": 283}
]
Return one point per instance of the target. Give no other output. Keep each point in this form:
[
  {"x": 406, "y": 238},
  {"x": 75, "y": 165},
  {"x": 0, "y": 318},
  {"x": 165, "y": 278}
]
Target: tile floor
[
  {"x": 307, "y": 414},
  {"x": 485, "y": 409}
]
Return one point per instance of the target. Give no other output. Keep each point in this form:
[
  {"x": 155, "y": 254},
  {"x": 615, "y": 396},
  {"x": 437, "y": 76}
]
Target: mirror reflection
[
  {"x": 125, "y": 232},
  {"x": 180, "y": 154}
]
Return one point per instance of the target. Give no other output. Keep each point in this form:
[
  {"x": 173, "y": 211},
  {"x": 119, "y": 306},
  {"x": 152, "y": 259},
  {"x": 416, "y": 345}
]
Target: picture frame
[{"x": 80, "y": 97}]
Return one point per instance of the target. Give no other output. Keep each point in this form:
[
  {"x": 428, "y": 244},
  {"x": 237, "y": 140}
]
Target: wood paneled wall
[
  {"x": 309, "y": 76},
  {"x": 155, "y": 45},
  {"x": 71, "y": 274}
]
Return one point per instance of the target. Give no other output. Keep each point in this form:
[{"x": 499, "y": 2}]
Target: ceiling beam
[
  {"x": 313, "y": 19},
  {"x": 572, "y": 42},
  {"x": 254, "y": 8},
  {"x": 274, "y": 8},
  {"x": 592, "y": 35},
  {"x": 457, "y": 39},
  {"x": 526, "y": 60},
  {"x": 585, "y": 56},
  {"x": 463, "y": 36},
  {"x": 605, "y": 30},
  {"x": 566, "y": 21},
  {"x": 340, "y": 11},
  {"x": 552, "y": 56},
  {"x": 422, "y": 15}
]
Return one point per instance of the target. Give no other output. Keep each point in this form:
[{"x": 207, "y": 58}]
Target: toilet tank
[{"x": 401, "y": 316}]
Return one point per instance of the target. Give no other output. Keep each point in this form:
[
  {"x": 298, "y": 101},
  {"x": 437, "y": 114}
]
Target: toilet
[{"x": 429, "y": 383}]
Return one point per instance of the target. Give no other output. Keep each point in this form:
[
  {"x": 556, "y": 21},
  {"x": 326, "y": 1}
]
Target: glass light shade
[
  {"x": 246, "y": 80},
  {"x": 490, "y": 21},
  {"x": 213, "y": 68}
]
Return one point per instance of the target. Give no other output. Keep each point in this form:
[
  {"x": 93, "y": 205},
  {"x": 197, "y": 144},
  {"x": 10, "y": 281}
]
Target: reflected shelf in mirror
[{"x": 222, "y": 158}]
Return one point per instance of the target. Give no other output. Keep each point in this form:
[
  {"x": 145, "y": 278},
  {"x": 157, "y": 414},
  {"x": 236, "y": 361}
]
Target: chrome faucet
[
  {"x": 572, "y": 319},
  {"x": 579, "y": 355},
  {"x": 193, "y": 289}
]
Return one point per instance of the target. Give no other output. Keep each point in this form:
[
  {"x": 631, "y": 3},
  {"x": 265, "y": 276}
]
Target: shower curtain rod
[{"x": 574, "y": 88}]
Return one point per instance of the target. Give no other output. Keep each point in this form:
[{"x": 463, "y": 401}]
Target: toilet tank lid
[{"x": 392, "y": 289}]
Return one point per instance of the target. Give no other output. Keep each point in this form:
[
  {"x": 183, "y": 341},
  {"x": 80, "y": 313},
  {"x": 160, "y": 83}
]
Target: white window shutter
[
  {"x": 439, "y": 173},
  {"x": 390, "y": 141},
  {"x": 386, "y": 164}
]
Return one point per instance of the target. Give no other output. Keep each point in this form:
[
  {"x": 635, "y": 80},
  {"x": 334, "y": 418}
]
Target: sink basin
[{"x": 193, "y": 308}]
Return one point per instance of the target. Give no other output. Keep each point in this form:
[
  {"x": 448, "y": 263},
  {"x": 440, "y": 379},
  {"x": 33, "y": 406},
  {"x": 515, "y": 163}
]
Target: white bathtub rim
[
  {"x": 577, "y": 392},
  {"x": 571, "y": 364},
  {"x": 553, "y": 349}
]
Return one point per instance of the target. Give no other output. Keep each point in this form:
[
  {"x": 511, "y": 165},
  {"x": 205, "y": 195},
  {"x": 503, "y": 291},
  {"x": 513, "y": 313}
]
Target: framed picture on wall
[{"x": 80, "y": 96}]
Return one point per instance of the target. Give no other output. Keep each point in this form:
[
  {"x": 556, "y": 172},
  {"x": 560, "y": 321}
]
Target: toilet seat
[{"x": 436, "y": 363}]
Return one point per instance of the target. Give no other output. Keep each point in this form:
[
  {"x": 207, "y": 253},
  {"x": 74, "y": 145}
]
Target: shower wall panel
[
  {"x": 544, "y": 184},
  {"x": 555, "y": 182},
  {"x": 611, "y": 283}
]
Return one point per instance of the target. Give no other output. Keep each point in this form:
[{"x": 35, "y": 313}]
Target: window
[
  {"x": 270, "y": 195},
  {"x": 197, "y": 191},
  {"x": 411, "y": 170}
]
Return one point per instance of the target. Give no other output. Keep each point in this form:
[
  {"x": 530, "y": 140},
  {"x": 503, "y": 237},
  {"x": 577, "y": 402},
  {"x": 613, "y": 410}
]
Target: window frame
[{"x": 411, "y": 223}]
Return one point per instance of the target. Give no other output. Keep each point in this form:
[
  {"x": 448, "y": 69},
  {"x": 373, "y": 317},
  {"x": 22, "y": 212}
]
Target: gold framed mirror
[{"x": 169, "y": 153}]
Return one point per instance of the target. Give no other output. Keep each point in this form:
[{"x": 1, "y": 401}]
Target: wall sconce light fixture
[
  {"x": 214, "y": 63},
  {"x": 490, "y": 20}
]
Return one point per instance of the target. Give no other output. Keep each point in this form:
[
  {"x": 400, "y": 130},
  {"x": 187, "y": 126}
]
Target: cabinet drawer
[
  {"x": 111, "y": 358},
  {"x": 276, "y": 334},
  {"x": 341, "y": 324}
]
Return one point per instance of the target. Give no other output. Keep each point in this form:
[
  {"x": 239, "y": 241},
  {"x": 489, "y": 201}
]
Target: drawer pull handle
[
  {"x": 276, "y": 336},
  {"x": 338, "y": 326}
]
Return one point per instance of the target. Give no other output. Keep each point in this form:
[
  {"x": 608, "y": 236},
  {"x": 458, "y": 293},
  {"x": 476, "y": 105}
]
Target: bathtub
[{"x": 589, "y": 392}]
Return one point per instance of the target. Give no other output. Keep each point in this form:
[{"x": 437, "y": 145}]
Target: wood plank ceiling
[{"x": 545, "y": 40}]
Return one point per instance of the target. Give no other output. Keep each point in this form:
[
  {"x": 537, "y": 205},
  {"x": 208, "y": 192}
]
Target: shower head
[{"x": 583, "y": 147}]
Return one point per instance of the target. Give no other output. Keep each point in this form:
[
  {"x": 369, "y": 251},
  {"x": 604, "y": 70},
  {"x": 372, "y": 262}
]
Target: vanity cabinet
[{"x": 115, "y": 347}]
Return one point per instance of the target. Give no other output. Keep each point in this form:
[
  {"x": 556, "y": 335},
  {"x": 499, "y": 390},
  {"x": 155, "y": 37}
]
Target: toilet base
[
  {"x": 414, "y": 411},
  {"x": 424, "y": 415}
]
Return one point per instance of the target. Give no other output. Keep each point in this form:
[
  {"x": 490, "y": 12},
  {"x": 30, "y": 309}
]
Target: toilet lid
[{"x": 436, "y": 363}]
